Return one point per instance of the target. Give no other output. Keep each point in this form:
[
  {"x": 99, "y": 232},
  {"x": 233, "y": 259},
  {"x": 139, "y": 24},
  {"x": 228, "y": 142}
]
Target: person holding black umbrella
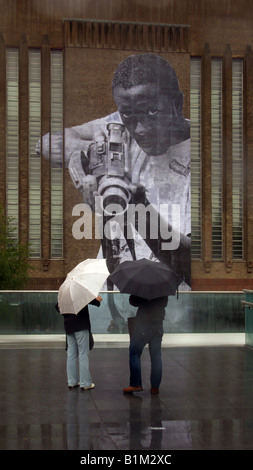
[
  {"x": 149, "y": 284},
  {"x": 148, "y": 330}
]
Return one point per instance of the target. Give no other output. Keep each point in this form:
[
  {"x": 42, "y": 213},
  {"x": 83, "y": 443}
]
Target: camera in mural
[{"x": 107, "y": 161}]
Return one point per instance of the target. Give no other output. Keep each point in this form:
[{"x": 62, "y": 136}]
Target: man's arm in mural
[
  {"x": 69, "y": 149},
  {"x": 59, "y": 146}
]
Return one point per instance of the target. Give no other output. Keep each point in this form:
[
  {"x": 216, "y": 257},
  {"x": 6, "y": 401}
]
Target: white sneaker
[{"x": 89, "y": 387}]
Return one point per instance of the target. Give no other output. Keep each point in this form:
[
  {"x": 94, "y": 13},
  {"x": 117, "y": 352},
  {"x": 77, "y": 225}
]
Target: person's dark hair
[{"x": 142, "y": 69}]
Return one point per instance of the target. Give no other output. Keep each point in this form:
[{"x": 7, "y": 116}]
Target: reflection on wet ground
[{"x": 205, "y": 401}]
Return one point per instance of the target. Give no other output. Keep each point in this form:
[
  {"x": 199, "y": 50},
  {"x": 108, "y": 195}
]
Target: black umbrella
[{"x": 145, "y": 278}]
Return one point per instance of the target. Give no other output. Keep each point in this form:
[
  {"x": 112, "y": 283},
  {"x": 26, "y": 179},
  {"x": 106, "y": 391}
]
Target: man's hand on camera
[
  {"x": 89, "y": 190},
  {"x": 85, "y": 183}
]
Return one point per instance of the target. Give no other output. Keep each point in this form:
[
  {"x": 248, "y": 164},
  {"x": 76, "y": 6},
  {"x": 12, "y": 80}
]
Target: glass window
[
  {"x": 216, "y": 156},
  {"x": 34, "y": 158},
  {"x": 237, "y": 157},
  {"x": 12, "y": 139},
  {"x": 56, "y": 173},
  {"x": 196, "y": 186}
]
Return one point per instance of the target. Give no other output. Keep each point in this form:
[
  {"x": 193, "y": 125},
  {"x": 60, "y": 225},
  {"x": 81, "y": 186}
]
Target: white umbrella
[{"x": 82, "y": 285}]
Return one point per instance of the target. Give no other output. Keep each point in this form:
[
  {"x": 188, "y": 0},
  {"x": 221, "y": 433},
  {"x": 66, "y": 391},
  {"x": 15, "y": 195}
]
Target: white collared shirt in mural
[{"x": 166, "y": 178}]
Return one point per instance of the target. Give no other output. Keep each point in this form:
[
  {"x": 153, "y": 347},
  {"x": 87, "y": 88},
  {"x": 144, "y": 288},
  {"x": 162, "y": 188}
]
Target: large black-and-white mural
[{"x": 132, "y": 168}]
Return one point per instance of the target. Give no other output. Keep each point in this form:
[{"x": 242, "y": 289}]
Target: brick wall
[{"x": 223, "y": 29}]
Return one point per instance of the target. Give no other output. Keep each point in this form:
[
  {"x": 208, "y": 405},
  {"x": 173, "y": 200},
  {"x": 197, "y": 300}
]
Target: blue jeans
[
  {"x": 78, "y": 349},
  {"x": 143, "y": 334}
]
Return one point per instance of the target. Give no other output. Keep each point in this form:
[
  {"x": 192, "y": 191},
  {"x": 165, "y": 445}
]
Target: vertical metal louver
[
  {"x": 237, "y": 157},
  {"x": 216, "y": 157},
  {"x": 34, "y": 158},
  {"x": 196, "y": 187},
  {"x": 12, "y": 139},
  {"x": 56, "y": 173}
]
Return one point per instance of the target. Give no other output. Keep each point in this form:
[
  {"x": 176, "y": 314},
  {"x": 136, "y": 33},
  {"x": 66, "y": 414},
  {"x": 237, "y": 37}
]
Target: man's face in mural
[{"x": 150, "y": 115}]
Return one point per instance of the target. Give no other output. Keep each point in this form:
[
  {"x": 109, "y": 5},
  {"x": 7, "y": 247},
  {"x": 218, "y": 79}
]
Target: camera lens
[{"x": 115, "y": 193}]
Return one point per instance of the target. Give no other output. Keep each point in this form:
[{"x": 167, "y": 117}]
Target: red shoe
[
  {"x": 154, "y": 390},
  {"x": 132, "y": 389}
]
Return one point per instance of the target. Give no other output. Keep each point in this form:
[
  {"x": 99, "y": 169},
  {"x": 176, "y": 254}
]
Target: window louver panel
[
  {"x": 216, "y": 155},
  {"x": 237, "y": 157},
  {"x": 56, "y": 173},
  {"x": 34, "y": 158},
  {"x": 12, "y": 139},
  {"x": 196, "y": 246}
]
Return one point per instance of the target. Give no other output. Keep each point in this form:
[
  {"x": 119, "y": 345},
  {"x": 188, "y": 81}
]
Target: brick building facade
[{"x": 77, "y": 43}]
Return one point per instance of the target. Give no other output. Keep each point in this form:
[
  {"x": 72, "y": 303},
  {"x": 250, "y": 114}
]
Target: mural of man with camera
[{"x": 137, "y": 155}]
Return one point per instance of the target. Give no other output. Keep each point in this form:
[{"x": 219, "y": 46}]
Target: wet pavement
[{"x": 205, "y": 401}]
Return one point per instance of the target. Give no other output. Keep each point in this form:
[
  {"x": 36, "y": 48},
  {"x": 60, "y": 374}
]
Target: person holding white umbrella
[
  {"x": 80, "y": 288},
  {"x": 78, "y": 329}
]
